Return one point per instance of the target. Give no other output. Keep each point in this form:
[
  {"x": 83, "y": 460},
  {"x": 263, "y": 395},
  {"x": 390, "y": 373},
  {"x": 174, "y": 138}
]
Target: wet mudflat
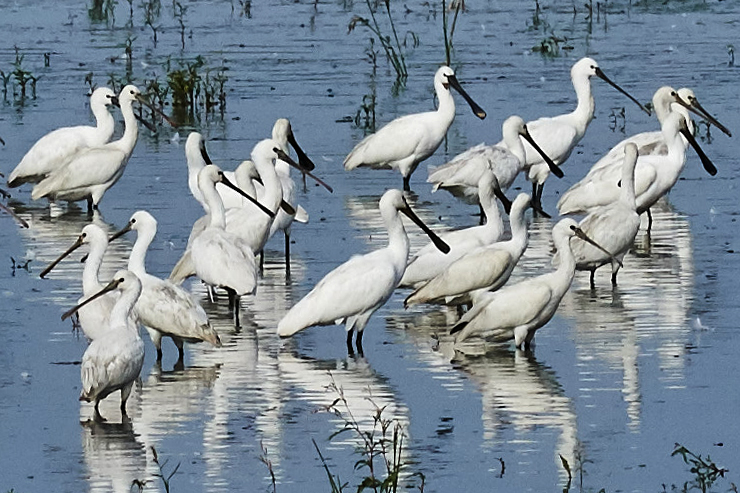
[{"x": 616, "y": 378}]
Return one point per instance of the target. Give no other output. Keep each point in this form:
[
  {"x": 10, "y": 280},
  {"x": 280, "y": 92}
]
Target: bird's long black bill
[
  {"x": 244, "y": 194},
  {"x": 110, "y": 287},
  {"x": 64, "y": 255},
  {"x": 157, "y": 111},
  {"x": 204, "y": 153},
  {"x": 438, "y": 242},
  {"x": 479, "y": 112},
  {"x": 705, "y": 161},
  {"x": 502, "y": 197},
  {"x": 606, "y": 79},
  {"x": 15, "y": 216},
  {"x": 113, "y": 237},
  {"x": 554, "y": 168},
  {"x": 579, "y": 233},
  {"x": 284, "y": 157},
  {"x": 699, "y": 110},
  {"x": 304, "y": 162}
]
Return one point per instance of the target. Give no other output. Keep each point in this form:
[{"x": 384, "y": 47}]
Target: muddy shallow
[{"x": 616, "y": 378}]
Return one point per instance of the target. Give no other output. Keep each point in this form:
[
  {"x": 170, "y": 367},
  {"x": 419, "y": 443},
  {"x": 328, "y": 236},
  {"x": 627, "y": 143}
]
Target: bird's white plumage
[
  {"x": 486, "y": 268},
  {"x": 406, "y": 141},
  {"x": 655, "y": 175},
  {"x": 460, "y": 176},
  {"x": 165, "y": 308},
  {"x": 613, "y": 226},
  {"x": 113, "y": 361},
  {"x": 91, "y": 172},
  {"x": 430, "y": 262},
  {"x": 57, "y": 147},
  {"x": 516, "y": 311},
  {"x": 352, "y": 292},
  {"x": 95, "y": 317}
]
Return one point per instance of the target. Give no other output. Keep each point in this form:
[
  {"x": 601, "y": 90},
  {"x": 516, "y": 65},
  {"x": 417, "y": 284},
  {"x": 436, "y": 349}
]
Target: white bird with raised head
[
  {"x": 164, "y": 308},
  {"x": 92, "y": 171},
  {"x": 352, "y": 292},
  {"x": 406, "y": 141},
  {"x": 113, "y": 361},
  {"x": 57, "y": 147}
]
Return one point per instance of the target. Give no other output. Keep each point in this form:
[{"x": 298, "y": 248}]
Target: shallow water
[{"x": 617, "y": 377}]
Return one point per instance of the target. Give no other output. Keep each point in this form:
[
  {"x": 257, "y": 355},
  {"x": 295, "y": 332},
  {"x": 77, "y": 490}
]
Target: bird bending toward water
[
  {"x": 516, "y": 311},
  {"x": 352, "y": 292},
  {"x": 113, "y": 361},
  {"x": 406, "y": 141}
]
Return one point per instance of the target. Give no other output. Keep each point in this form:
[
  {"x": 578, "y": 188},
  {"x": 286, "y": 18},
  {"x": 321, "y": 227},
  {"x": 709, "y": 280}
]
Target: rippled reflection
[{"x": 114, "y": 456}]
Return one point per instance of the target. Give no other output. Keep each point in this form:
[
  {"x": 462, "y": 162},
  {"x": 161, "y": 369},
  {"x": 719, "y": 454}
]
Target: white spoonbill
[
  {"x": 406, "y": 141},
  {"x": 460, "y": 175},
  {"x": 559, "y": 135},
  {"x": 516, "y": 311},
  {"x": 613, "y": 226},
  {"x": 352, "y": 292},
  {"x": 665, "y": 100},
  {"x": 486, "y": 268},
  {"x": 164, "y": 308},
  {"x": 429, "y": 261},
  {"x": 92, "y": 171},
  {"x": 655, "y": 175},
  {"x": 113, "y": 361},
  {"x": 93, "y": 318},
  {"x": 219, "y": 258},
  {"x": 56, "y": 148}
]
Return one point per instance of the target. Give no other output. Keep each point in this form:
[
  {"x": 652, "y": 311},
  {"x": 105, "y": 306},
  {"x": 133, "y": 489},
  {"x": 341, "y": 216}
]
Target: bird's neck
[
  {"x": 566, "y": 269},
  {"x": 217, "y": 214},
  {"x": 131, "y": 128},
  {"x": 137, "y": 259},
  {"x": 105, "y": 121},
  {"x": 584, "y": 112},
  {"x": 121, "y": 312},
  {"x": 627, "y": 194},
  {"x": 90, "y": 281}
]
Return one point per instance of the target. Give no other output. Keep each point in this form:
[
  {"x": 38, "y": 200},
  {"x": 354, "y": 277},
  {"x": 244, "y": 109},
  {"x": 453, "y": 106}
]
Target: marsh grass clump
[
  {"x": 380, "y": 449},
  {"x": 21, "y": 80},
  {"x": 393, "y": 48},
  {"x": 102, "y": 11},
  {"x": 705, "y": 471},
  {"x": 152, "y": 11}
]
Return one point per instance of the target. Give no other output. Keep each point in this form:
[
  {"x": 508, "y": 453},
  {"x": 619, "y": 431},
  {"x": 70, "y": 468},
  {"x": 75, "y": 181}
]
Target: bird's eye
[
  {"x": 121, "y": 279},
  {"x": 133, "y": 221},
  {"x": 83, "y": 235}
]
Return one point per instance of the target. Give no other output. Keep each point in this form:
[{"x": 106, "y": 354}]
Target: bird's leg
[
  {"x": 125, "y": 392},
  {"x": 180, "y": 352},
  {"x": 262, "y": 262},
  {"x": 406, "y": 185},
  {"x": 358, "y": 343},
  {"x": 350, "y": 347},
  {"x": 650, "y": 221},
  {"x": 535, "y": 199},
  {"x": 237, "y": 324},
  {"x": 89, "y": 206},
  {"x": 287, "y": 257},
  {"x": 159, "y": 354},
  {"x": 591, "y": 280}
]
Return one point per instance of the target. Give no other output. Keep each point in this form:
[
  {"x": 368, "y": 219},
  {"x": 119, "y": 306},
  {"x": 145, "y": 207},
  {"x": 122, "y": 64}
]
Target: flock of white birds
[{"x": 467, "y": 268}]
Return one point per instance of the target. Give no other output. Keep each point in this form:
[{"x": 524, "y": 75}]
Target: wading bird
[
  {"x": 113, "y": 361},
  {"x": 506, "y": 159},
  {"x": 92, "y": 171},
  {"x": 516, "y": 311},
  {"x": 164, "y": 308},
  {"x": 559, "y": 135},
  {"x": 57, "y": 147},
  {"x": 486, "y": 268},
  {"x": 352, "y": 292},
  {"x": 613, "y": 226},
  {"x": 406, "y": 141}
]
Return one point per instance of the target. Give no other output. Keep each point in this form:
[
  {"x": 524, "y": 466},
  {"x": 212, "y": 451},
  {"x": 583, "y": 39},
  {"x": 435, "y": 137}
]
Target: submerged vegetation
[{"x": 21, "y": 80}]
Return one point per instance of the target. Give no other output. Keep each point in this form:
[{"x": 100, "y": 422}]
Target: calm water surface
[{"x": 617, "y": 377}]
